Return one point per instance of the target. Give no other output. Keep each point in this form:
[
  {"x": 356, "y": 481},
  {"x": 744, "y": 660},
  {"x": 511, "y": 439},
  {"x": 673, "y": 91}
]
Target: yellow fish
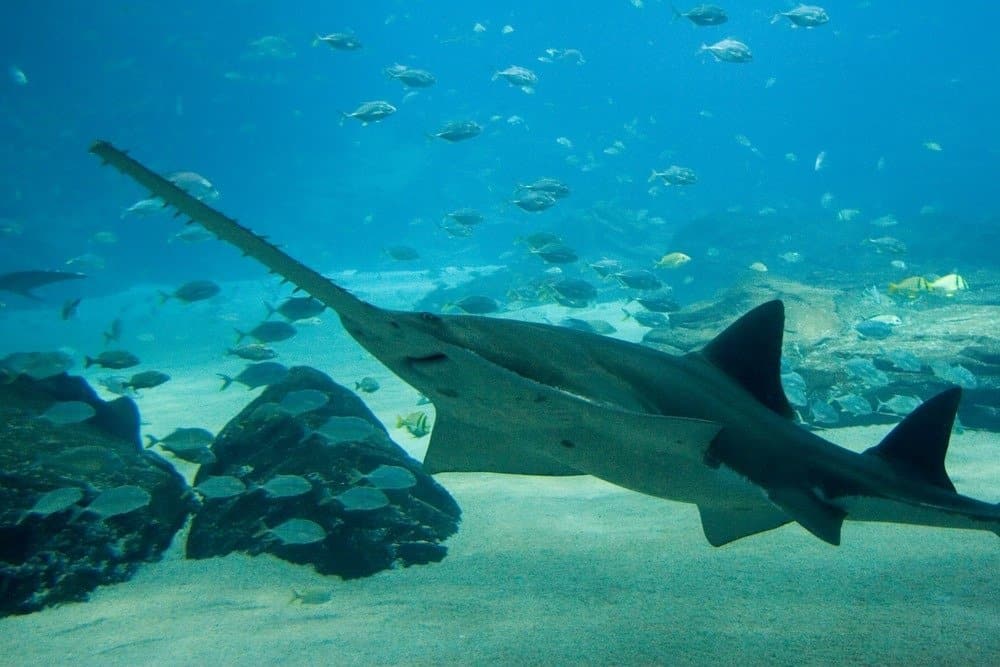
[
  {"x": 673, "y": 260},
  {"x": 949, "y": 285},
  {"x": 911, "y": 287}
]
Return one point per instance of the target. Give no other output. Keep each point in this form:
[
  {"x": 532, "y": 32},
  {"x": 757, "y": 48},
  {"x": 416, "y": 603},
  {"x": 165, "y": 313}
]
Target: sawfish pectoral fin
[
  {"x": 820, "y": 518},
  {"x": 460, "y": 447},
  {"x": 723, "y": 525}
]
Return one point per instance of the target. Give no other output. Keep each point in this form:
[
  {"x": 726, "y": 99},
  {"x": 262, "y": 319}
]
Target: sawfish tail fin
[{"x": 916, "y": 447}]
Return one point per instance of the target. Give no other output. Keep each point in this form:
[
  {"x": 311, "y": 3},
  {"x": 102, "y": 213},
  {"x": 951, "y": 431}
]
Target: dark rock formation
[
  {"x": 820, "y": 338},
  {"x": 46, "y": 558},
  {"x": 263, "y": 442}
]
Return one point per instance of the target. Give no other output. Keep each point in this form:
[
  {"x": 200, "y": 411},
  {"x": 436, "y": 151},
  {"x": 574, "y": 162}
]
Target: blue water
[{"x": 177, "y": 84}]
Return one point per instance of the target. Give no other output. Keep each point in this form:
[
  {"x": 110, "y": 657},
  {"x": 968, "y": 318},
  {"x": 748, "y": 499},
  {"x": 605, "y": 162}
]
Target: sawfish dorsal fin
[
  {"x": 749, "y": 352},
  {"x": 918, "y": 444}
]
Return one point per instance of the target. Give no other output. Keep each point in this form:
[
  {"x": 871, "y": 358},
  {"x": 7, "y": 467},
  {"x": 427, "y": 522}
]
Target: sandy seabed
[{"x": 543, "y": 571}]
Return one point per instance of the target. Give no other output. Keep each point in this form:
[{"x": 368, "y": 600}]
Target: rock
[
  {"x": 820, "y": 337},
  {"x": 60, "y": 551},
  {"x": 365, "y": 531}
]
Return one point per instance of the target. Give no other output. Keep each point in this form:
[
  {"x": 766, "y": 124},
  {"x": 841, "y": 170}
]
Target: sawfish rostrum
[{"x": 712, "y": 428}]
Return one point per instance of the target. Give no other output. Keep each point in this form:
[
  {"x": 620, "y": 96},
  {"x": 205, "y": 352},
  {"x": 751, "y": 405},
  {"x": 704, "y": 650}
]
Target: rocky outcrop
[
  {"x": 326, "y": 486},
  {"x": 61, "y": 533},
  {"x": 953, "y": 340}
]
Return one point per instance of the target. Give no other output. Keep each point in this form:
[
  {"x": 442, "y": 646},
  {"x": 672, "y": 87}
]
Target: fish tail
[
  {"x": 226, "y": 381},
  {"x": 240, "y": 335},
  {"x": 676, "y": 12},
  {"x": 153, "y": 440},
  {"x": 88, "y": 362},
  {"x": 164, "y": 297},
  {"x": 271, "y": 310}
]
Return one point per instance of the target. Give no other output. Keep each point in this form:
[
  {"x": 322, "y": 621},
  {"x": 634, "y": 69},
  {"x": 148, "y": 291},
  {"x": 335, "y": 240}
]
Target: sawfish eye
[{"x": 430, "y": 317}]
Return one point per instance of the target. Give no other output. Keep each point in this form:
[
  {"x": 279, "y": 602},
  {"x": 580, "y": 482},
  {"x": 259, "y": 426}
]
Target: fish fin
[
  {"x": 723, "y": 525},
  {"x": 820, "y": 518},
  {"x": 749, "y": 352},
  {"x": 458, "y": 447},
  {"x": 917, "y": 445},
  {"x": 226, "y": 381}
]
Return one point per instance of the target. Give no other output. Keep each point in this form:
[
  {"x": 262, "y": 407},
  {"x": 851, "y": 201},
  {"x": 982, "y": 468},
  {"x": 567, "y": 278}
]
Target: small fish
[
  {"x": 194, "y": 184},
  {"x": 303, "y": 400},
  {"x": 256, "y": 375},
  {"x": 640, "y": 279},
  {"x": 371, "y": 112},
  {"x": 518, "y": 76},
  {"x": 658, "y": 302},
  {"x": 18, "y": 76},
  {"x": 899, "y": 405},
  {"x": 795, "y": 388},
  {"x": 298, "y": 531},
  {"x": 188, "y": 443},
  {"x": 458, "y": 130},
  {"x": 823, "y": 413},
  {"x": 147, "y": 380},
  {"x": 116, "y": 359},
  {"x": 402, "y": 253},
  {"x": 729, "y": 50},
  {"x": 362, "y": 499},
  {"x": 864, "y": 370},
  {"x": 338, "y": 430},
  {"x": 854, "y": 405},
  {"x": 297, "y": 308},
  {"x": 114, "y": 332},
  {"x": 145, "y": 207},
  {"x": 468, "y": 217},
  {"x": 574, "y": 289},
  {"x": 956, "y": 374},
  {"x": 268, "y": 332},
  {"x": 702, "y": 15},
  {"x": 53, "y": 502},
  {"x": 368, "y": 385},
  {"x": 949, "y": 285},
  {"x": 192, "y": 233},
  {"x": 675, "y": 175},
  {"x": 415, "y": 422},
  {"x": 252, "y": 352},
  {"x": 820, "y": 161},
  {"x": 887, "y": 244},
  {"x": 118, "y": 500},
  {"x": 673, "y": 260},
  {"x": 410, "y": 77},
  {"x": 477, "y": 305},
  {"x": 220, "y": 487},
  {"x": 311, "y": 595},
  {"x": 286, "y": 486},
  {"x": 341, "y": 41},
  {"x": 535, "y": 202},
  {"x": 904, "y": 360},
  {"x": 933, "y": 146},
  {"x": 68, "y": 310},
  {"x": 606, "y": 267},
  {"x": 391, "y": 478},
  {"x": 550, "y": 186},
  {"x": 196, "y": 290},
  {"x": 911, "y": 287},
  {"x": 556, "y": 253},
  {"x": 649, "y": 319},
  {"x": 847, "y": 214},
  {"x": 804, "y": 16},
  {"x": 874, "y": 329}
]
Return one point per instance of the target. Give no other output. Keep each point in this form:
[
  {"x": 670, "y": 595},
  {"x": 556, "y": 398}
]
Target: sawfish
[
  {"x": 23, "y": 282},
  {"x": 711, "y": 428}
]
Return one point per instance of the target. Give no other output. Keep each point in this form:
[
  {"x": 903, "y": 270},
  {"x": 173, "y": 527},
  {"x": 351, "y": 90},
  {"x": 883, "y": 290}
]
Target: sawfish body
[{"x": 712, "y": 428}]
